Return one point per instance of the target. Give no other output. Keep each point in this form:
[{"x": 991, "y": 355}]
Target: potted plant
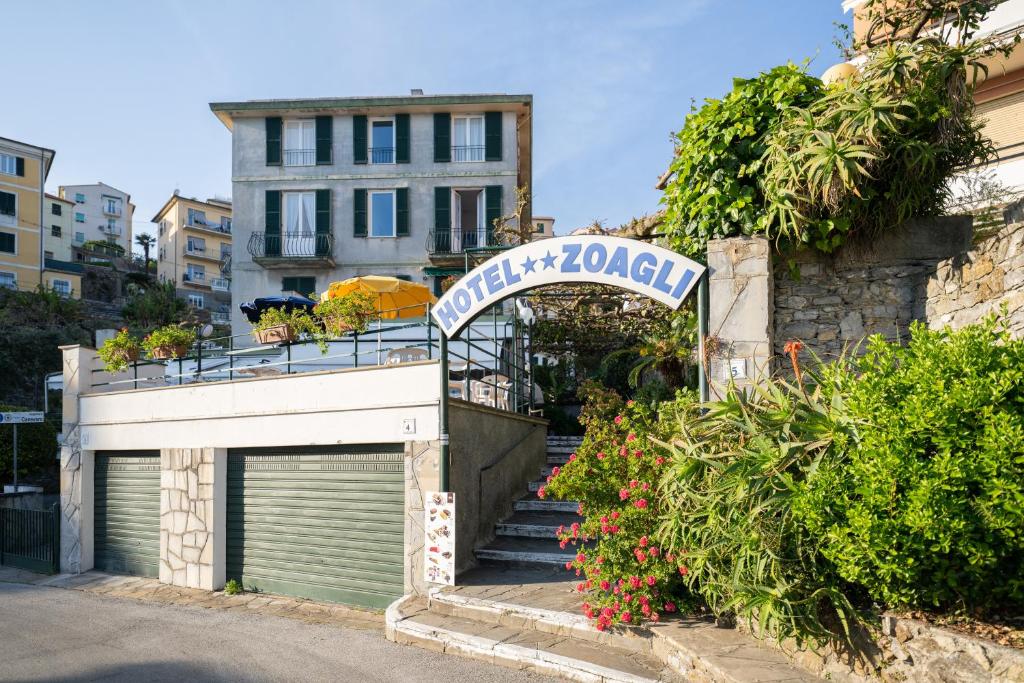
[
  {"x": 350, "y": 313},
  {"x": 118, "y": 351},
  {"x": 277, "y": 326},
  {"x": 168, "y": 342}
]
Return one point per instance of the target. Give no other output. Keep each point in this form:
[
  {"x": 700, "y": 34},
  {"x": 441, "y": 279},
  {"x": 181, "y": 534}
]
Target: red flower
[
  {"x": 541, "y": 492},
  {"x": 555, "y": 471},
  {"x": 615, "y": 528},
  {"x": 618, "y": 419},
  {"x": 568, "y": 565},
  {"x": 605, "y": 528},
  {"x": 654, "y": 617},
  {"x": 642, "y": 503},
  {"x": 646, "y": 609},
  {"x": 638, "y": 454},
  {"x": 615, "y": 514},
  {"x": 670, "y": 557},
  {"x": 670, "y": 607},
  {"x": 653, "y": 552},
  {"x": 623, "y": 451},
  {"x": 651, "y": 580},
  {"x": 579, "y": 587},
  {"x": 605, "y": 585},
  {"x": 562, "y": 543},
  {"x": 627, "y": 598},
  {"x": 607, "y": 613},
  {"x": 629, "y": 403},
  {"x": 572, "y": 457},
  {"x": 627, "y": 616},
  {"x": 643, "y": 541},
  {"x": 633, "y": 483},
  {"x": 683, "y": 571},
  {"x": 634, "y": 581},
  {"x": 600, "y": 455},
  {"x": 659, "y": 460},
  {"x": 616, "y": 590},
  {"x": 631, "y": 437},
  {"x": 645, "y": 486},
  {"x": 600, "y": 559},
  {"x": 580, "y": 557},
  {"x": 575, "y": 526},
  {"x": 600, "y": 625},
  {"x": 623, "y": 494},
  {"x": 641, "y": 557}
]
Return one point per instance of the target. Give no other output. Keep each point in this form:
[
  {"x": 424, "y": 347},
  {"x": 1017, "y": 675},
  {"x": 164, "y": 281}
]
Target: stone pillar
[
  {"x": 422, "y": 474},
  {"x": 193, "y": 511},
  {"x": 740, "y": 318},
  {"x": 76, "y": 466}
]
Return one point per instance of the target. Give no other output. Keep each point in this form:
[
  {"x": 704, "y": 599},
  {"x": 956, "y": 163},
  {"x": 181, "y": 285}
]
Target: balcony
[
  {"x": 221, "y": 316},
  {"x": 220, "y": 284},
  {"x": 468, "y": 152},
  {"x": 300, "y": 157},
  {"x": 202, "y": 224},
  {"x": 111, "y": 230},
  {"x": 195, "y": 280},
  {"x": 453, "y": 241},
  {"x": 109, "y": 210},
  {"x": 292, "y": 249},
  {"x": 200, "y": 252},
  {"x": 382, "y": 155}
]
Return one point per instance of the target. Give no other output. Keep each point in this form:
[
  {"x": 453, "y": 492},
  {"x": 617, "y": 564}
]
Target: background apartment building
[
  {"x": 327, "y": 189},
  {"x": 102, "y": 214},
  {"x": 193, "y": 251},
  {"x": 60, "y": 272},
  {"x": 543, "y": 227},
  {"x": 999, "y": 96},
  {"x": 23, "y": 171}
]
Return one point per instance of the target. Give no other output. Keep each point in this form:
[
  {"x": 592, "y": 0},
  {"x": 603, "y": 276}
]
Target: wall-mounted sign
[
  {"x": 439, "y": 538},
  {"x": 737, "y": 368},
  {"x": 643, "y": 268},
  {"x": 21, "y": 418}
]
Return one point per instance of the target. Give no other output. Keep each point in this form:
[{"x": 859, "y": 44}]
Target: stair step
[
  {"x": 413, "y": 623},
  {"x": 535, "y": 524},
  {"x": 526, "y": 551},
  {"x": 558, "y": 458},
  {"x": 535, "y": 504},
  {"x": 534, "y": 486}
]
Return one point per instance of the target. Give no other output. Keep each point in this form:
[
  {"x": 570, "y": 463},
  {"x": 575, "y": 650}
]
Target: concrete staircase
[
  {"x": 527, "y": 538},
  {"x": 520, "y": 609}
]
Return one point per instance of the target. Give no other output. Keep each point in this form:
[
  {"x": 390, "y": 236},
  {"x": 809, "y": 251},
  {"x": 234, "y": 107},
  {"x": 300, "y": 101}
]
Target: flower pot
[
  {"x": 168, "y": 352},
  {"x": 278, "y": 334},
  {"x": 128, "y": 355},
  {"x": 336, "y": 325}
]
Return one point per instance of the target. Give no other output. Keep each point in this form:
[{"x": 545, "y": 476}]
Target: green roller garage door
[
  {"x": 321, "y": 522},
  {"x": 127, "y": 512}
]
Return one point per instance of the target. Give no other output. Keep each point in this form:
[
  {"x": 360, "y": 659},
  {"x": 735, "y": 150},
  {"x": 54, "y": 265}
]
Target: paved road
[{"x": 54, "y": 634}]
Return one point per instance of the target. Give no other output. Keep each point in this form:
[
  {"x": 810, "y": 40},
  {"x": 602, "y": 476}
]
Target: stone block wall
[
  {"x": 969, "y": 286},
  {"x": 192, "y": 517}
]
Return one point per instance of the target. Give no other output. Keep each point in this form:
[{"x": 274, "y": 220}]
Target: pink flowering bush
[{"x": 614, "y": 475}]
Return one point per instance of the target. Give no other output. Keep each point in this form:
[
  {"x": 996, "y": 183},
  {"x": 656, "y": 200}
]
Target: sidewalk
[{"x": 152, "y": 591}]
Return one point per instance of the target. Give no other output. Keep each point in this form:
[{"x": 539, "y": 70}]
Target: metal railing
[
  {"x": 30, "y": 539},
  {"x": 457, "y": 241},
  {"x": 468, "y": 152},
  {"x": 195, "y": 222},
  {"x": 382, "y": 155},
  {"x": 490, "y": 370},
  {"x": 116, "y": 211},
  {"x": 195, "y": 251},
  {"x": 291, "y": 245},
  {"x": 220, "y": 284},
  {"x": 193, "y": 277},
  {"x": 300, "y": 157}
]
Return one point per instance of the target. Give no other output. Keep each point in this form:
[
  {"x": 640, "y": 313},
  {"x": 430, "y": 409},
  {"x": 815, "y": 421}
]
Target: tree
[
  {"x": 154, "y": 306},
  {"x": 146, "y": 241}
]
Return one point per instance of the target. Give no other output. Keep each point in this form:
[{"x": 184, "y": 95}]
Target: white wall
[
  {"x": 365, "y": 405},
  {"x": 94, "y": 216}
]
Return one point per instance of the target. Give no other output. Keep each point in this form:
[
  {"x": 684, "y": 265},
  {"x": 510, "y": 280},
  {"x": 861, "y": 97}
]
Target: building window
[
  {"x": 300, "y": 143},
  {"x": 299, "y": 222},
  {"x": 382, "y": 141},
  {"x": 47, "y": 254},
  {"x": 79, "y": 198},
  {"x": 195, "y": 300},
  {"x": 55, "y": 231},
  {"x": 300, "y": 285},
  {"x": 196, "y": 217},
  {"x": 195, "y": 273},
  {"x": 382, "y": 213},
  {"x": 540, "y": 228},
  {"x": 8, "y": 243},
  {"x": 8, "y": 207},
  {"x": 225, "y": 224},
  {"x": 80, "y": 237},
  {"x": 225, "y": 251},
  {"x": 62, "y": 287},
  {"x": 162, "y": 254},
  {"x": 467, "y": 138},
  {"x": 8, "y": 164},
  {"x": 79, "y": 217},
  {"x": 8, "y": 280},
  {"x": 196, "y": 245},
  {"x": 112, "y": 228},
  {"x": 55, "y": 209}
]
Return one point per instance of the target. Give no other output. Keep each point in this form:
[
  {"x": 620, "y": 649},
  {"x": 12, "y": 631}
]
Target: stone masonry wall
[
  {"x": 187, "y": 516},
  {"x": 968, "y": 287}
]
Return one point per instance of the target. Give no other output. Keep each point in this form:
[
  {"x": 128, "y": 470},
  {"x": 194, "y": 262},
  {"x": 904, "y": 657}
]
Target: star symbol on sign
[
  {"x": 528, "y": 264},
  {"x": 549, "y": 261}
]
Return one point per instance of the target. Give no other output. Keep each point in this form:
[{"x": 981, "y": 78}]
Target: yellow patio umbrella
[{"x": 395, "y": 298}]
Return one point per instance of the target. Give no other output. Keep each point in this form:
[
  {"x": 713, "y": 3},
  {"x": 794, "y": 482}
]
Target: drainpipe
[
  {"x": 443, "y": 412},
  {"x": 702, "y": 333}
]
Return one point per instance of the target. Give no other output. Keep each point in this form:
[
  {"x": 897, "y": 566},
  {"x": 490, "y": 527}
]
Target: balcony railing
[
  {"x": 195, "y": 251},
  {"x": 221, "y": 317},
  {"x": 194, "y": 278},
  {"x": 196, "y": 222},
  {"x": 291, "y": 246},
  {"x": 382, "y": 155},
  {"x": 115, "y": 230},
  {"x": 456, "y": 241},
  {"x": 112, "y": 211},
  {"x": 220, "y": 284},
  {"x": 468, "y": 152},
  {"x": 300, "y": 157}
]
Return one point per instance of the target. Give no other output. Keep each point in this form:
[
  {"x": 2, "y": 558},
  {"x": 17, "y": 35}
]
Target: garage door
[
  {"x": 319, "y": 522},
  {"x": 127, "y": 512}
]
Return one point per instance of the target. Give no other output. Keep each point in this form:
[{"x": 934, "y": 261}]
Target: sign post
[{"x": 14, "y": 419}]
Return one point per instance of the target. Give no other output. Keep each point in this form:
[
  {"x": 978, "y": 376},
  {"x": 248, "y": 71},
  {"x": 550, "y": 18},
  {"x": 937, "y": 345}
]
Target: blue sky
[{"x": 121, "y": 89}]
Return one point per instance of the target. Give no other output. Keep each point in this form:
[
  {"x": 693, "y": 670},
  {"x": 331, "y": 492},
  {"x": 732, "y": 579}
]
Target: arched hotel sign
[{"x": 646, "y": 269}]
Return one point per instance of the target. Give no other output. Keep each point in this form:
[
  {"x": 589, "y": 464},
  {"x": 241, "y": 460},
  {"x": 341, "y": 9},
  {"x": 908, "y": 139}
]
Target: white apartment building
[{"x": 101, "y": 213}]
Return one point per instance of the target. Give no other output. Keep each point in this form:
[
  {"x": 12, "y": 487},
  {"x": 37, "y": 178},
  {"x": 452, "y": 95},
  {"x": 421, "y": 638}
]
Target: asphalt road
[{"x": 54, "y": 634}]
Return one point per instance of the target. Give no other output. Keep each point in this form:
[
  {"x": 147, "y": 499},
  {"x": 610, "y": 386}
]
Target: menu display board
[{"x": 439, "y": 538}]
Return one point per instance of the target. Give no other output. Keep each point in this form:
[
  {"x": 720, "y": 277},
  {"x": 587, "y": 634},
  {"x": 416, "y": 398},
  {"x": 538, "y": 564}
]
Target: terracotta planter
[
  {"x": 129, "y": 355},
  {"x": 337, "y": 325},
  {"x": 278, "y": 334},
  {"x": 168, "y": 352}
]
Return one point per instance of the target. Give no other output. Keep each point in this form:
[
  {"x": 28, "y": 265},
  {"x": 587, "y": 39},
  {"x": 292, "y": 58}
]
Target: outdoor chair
[{"x": 407, "y": 355}]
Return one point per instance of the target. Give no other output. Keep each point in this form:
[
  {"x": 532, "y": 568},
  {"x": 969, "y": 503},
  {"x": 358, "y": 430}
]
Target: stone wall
[
  {"x": 192, "y": 517},
  {"x": 422, "y": 475},
  {"x": 968, "y": 287}
]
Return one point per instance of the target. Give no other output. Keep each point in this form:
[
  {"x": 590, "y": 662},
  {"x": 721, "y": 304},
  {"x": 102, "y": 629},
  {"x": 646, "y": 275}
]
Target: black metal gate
[{"x": 30, "y": 539}]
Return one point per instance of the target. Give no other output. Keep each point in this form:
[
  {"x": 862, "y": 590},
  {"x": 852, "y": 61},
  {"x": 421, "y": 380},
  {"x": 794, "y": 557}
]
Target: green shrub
[
  {"x": 731, "y": 498},
  {"x": 233, "y": 587},
  {"x": 37, "y": 449},
  {"x": 927, "y": 508}
]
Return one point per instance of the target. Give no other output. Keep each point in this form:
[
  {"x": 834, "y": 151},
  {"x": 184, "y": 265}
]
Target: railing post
[
  {"x": 355, "y": 343},
  {"x": 430, "y": 335},
  {"x": 55, "y": 538},
  {"x": 3, "y": 536},
  {"x": 443, "y": 473},
  {"x": 702, "y": 333}
]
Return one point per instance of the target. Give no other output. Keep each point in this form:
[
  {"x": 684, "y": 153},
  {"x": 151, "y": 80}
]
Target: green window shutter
[
  {"x": 442, "y": 138},
  {"x": 273, "y": 124},
  {"x": 492, "y": 210},
  {"x": 359, "y": 139},
  {"x": 492, "y": 136},
  {"x": 401, "y": 138},
  {"x": 19, "y": 166},
  {"x": 7, "y": 200},
  {"x": 323, "y": 222},
  {"x": 302, "y": 285},
  {"x": 442, "y": 219},
  {"x": 359, "y": 222},
  {"x": 324, "y": 140},
  {"x": 402, "y": 212},
  {"x": 7, "y": 242},
  {"x": 272, "y": 233}
]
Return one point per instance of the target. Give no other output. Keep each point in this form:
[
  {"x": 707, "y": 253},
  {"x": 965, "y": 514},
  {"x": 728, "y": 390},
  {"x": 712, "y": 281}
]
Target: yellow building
[
  {"x": 23, "y": 171},
  {"x": 194, "y": 252}
]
